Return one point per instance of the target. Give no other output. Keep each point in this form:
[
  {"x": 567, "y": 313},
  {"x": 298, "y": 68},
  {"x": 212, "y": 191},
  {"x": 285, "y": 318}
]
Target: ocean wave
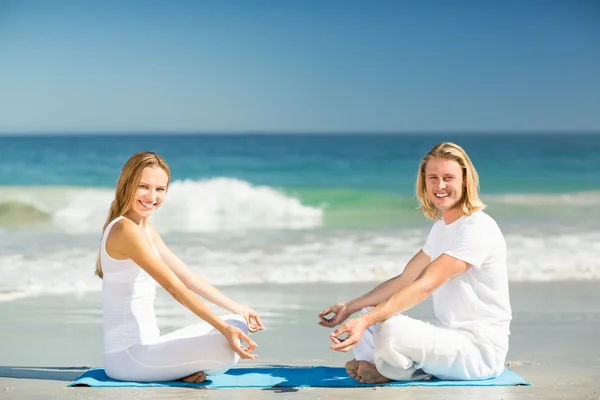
[
  {"x": 580, "y": 199},
  {"x": 58, "y": 266},
  {"x": 222, "y": 204},
  {"x": 192, "y": 206}
]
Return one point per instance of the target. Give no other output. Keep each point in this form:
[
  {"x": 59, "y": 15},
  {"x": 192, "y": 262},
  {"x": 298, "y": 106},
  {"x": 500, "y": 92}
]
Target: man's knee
[
  {"x": 390, "y": 346},
  {"x": 401, "y": 334},
  {"x": 394, "y": 328}
]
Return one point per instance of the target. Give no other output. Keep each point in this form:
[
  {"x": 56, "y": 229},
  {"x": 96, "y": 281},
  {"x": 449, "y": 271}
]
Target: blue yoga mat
[{"x": 286, "y": 376}]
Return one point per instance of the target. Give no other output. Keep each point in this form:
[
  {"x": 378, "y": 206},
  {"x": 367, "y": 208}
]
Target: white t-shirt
[{"x": 477, "y": 300}]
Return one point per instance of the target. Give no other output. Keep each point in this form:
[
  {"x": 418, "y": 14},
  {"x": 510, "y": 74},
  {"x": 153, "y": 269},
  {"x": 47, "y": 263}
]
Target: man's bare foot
[
  {"x": 367, "y": 373},
  {"x": 197, "y": 377},
  {"x": 351, "y": 367}
]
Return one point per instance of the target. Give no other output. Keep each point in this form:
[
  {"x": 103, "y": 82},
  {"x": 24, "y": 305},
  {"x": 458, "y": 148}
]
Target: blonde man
[{"x": 462, "y": 266}]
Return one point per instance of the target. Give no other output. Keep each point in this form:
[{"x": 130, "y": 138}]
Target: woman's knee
[{"x": 238, "y": 321}]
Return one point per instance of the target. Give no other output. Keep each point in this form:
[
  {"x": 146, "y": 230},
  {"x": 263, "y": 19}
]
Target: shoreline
[{"x": 49, "y": 341}]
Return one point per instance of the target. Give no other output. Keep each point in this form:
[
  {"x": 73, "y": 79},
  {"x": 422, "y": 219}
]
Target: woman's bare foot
[
  {"x": 367, "y": 373},
  {"x": 197, "y": 377},
  {"x": 351, "y": 367}
]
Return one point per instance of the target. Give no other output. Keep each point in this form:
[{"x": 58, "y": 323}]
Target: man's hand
[
  {"x": 340, "y": 314},
  {"x": 354, "y": 328},
  {"x": 251, "y": 317}
]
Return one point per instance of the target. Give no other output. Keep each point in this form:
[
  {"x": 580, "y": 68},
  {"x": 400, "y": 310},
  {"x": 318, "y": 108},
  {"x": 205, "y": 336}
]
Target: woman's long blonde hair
[
  {"x": 127, "y": 186},
  {"x": 470, "y": 202}
]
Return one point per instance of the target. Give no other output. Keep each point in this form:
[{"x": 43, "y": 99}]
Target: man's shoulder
[
  {"x": 479, "y": 218},
  {"x": 480, "y": 223}
]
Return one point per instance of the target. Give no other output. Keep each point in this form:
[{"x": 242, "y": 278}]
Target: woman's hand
[
  {"x": 251, "y": 317},
  {"x": 235, "y": 336}
]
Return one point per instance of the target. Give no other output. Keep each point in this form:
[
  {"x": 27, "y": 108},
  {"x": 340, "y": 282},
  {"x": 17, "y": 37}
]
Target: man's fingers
[
  {"x": 326, "y": 311},
  {"x": 344, "y": 345},
  {"x": 336, "y": 340},
  {"x": 340, "y": 330},
  {"x": 324, "y": 320}
]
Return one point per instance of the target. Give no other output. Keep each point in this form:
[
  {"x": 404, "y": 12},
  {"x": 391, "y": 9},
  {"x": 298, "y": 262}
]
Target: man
[{"x": 462, "y": 265}]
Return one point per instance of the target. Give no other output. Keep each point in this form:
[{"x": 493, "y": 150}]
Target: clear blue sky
[{"x": 305, "y": 66}]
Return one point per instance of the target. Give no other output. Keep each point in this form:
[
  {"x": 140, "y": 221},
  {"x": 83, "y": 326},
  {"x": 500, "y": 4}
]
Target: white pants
[
  {"x": 176, "y": 355},
  {"x": 403, "y": 349}
]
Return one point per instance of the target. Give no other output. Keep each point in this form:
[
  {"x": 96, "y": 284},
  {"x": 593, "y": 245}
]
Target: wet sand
[{"x": 47, "y": 342}]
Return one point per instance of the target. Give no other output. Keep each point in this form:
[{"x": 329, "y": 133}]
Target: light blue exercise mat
[{"x": 285, "y": 376}]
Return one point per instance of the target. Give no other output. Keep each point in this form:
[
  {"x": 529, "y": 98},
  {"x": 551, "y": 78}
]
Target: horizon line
[{"x": 289, "y": 132}]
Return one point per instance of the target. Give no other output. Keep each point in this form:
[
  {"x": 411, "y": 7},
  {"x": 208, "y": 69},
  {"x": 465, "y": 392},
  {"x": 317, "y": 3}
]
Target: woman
[{"x": 133, "y": 258}]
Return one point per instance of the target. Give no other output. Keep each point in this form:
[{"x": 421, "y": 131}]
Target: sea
[{"x": 277, "y": 209}]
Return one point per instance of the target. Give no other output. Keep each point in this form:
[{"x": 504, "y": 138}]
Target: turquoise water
[
  {"x": 355, "y": 179},
  {"x": 506, "y": 163},
  {"x": 246, "y": 209}
]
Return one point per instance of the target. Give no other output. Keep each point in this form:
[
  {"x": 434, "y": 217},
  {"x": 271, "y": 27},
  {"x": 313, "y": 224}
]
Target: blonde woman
[
  {"x": 462, "y": 266},
  {"x": 133, "y": 259}
]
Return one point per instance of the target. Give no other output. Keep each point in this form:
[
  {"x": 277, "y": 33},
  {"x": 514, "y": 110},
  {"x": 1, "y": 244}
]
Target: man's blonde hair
[{"x": 470, "y": 202}]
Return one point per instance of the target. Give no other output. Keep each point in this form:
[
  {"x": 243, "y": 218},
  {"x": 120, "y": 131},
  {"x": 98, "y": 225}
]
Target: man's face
[{"x": 444, "y": 183}]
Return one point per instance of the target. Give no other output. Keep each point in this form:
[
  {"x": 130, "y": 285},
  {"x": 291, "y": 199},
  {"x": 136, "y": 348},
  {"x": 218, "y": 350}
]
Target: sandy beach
[{"x": 49, "y": 341}]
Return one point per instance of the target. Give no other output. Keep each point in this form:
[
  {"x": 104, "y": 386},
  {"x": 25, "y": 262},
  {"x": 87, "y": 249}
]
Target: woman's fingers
[
  {"x": 258, "y": 322},
  {"x": 244, "y": 352}
]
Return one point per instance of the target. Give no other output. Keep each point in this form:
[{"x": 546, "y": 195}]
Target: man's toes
[
  {"x": 352, "y": 365},
  {"x": 369, "y": 374}
]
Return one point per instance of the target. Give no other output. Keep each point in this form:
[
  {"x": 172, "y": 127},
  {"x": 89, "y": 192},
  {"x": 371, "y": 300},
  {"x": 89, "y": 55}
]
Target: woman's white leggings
[
  {"x": 403, "y": 348},
  {"x": 176, "y": 355}
]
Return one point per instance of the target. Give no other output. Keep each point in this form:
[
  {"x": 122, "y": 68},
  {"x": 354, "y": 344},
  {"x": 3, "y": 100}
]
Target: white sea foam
[
  {"x": 191, "y": 206},
  {"x": 591, "y": 198},
  {"x": 64, "y": 263}
]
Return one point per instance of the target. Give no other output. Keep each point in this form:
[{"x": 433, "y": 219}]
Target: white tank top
[{"x": 128, "y": 294}]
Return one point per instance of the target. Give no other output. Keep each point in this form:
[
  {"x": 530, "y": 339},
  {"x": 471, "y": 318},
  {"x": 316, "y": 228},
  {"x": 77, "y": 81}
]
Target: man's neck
[{"x": 451, "y": 215}]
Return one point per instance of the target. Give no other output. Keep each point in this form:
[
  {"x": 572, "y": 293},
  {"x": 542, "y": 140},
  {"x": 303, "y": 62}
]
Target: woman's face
[{"x": 151, "y": 191}]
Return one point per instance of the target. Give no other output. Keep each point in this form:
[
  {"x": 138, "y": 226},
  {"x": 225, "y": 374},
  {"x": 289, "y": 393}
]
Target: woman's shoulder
[{"x": 123, "y": 228}]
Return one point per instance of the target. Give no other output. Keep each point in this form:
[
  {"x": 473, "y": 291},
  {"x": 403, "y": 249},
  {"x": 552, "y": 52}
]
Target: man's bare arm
[
  {"x": 435, "y": 275},
  {"x": 383, "y": 291}
]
